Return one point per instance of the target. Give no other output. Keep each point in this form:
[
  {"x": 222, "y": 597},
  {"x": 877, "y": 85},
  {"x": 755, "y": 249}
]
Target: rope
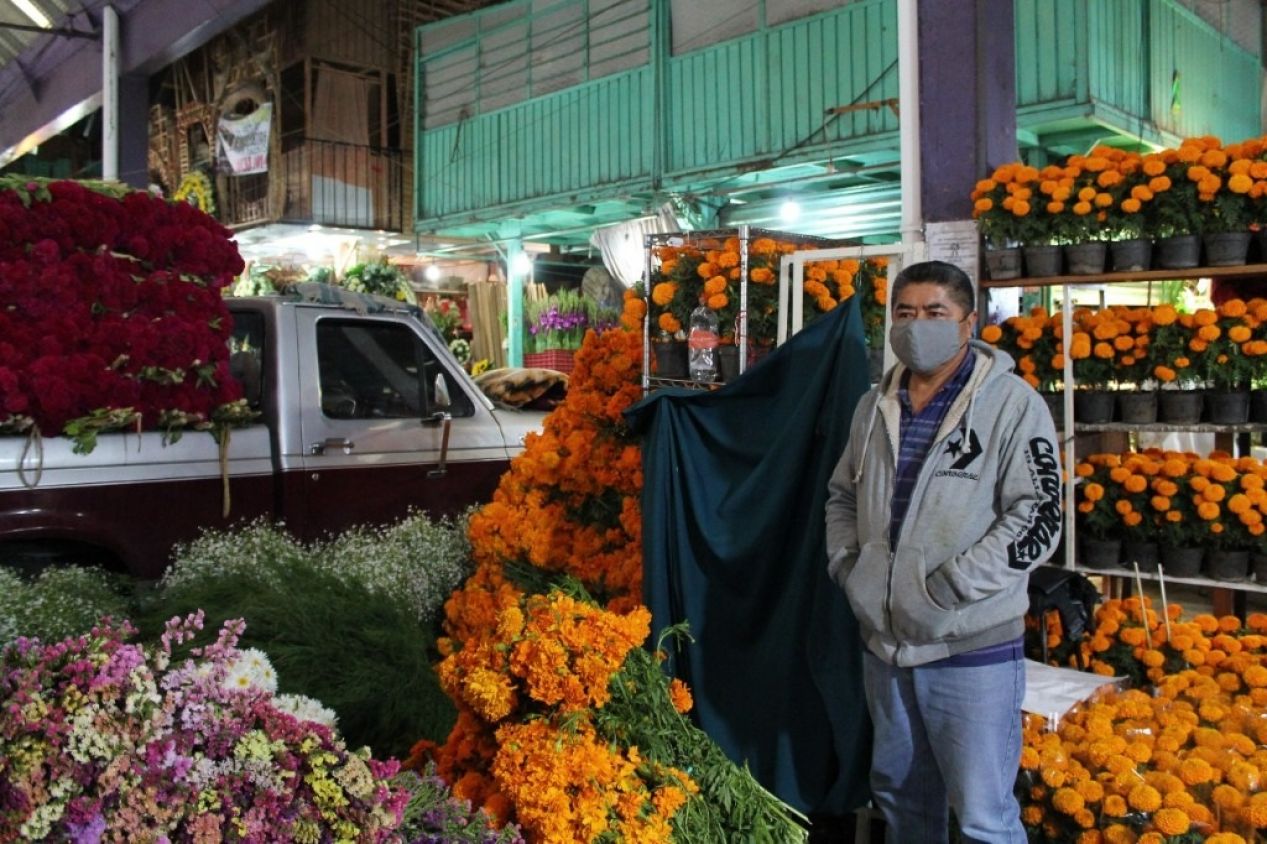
[
  {"x": 223, "y": 440},
  {"x": 33, "y": 438}
]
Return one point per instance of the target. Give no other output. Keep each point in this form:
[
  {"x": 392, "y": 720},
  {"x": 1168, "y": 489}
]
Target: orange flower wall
[{"x": 528, "y": 671}]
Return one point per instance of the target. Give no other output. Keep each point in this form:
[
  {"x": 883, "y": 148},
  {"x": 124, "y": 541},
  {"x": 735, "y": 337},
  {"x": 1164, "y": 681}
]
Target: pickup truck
[{"x": 364, "y": 414}]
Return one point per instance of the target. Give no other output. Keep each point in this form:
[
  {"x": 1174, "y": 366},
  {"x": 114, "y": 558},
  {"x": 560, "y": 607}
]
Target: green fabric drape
[{"x": 733, "y": 543}]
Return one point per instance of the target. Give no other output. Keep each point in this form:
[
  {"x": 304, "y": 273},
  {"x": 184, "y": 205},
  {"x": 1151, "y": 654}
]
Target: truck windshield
[{"x": 371, "y": 370}]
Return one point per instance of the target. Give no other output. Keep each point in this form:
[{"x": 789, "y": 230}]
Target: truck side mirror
[{"x": 441, "y": 400}]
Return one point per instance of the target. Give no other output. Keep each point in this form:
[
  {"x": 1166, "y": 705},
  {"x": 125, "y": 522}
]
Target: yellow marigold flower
[
  {"x": 1144, "y": 798},
  {"x": 1195, "y": 771},
  {"x": 663, "y": 293},
  {"x": 1032, "y": 815},
  {"x": 1226, "y": 796},
  {"x": 718, "y": 301},
  {"x": 1256, "y": 811},
  {"x": 1171, "y": 822},
  {"x": 1067, "y": 801},
  {"x": 1114, "y": 806}
]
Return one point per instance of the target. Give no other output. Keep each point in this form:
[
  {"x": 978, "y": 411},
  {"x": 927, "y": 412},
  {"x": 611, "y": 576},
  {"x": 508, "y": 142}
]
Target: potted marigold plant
[
  {"x": 1138, "y": 525},
  {"x": 1031, "y": 342},
  {"x": 1225, "y": 206},
  {"x": 1179, "y": 401},
  {"x": 1179, "y": 529},
  {"x": 675, "y": 290},
  {"x": 1221, "y": 336},
  {"x": 1220, "y": 506},
  {"x": 1174, "y": 215},
  {"x": 1092, "y": 351},
  {"x": 1009, "y": 210},
  {"x": 1098, "y": 522}
]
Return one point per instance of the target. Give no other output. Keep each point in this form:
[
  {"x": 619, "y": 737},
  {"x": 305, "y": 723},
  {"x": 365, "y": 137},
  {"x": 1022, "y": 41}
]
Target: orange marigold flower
[
  {"x": 1171, "y": 822},
  {"x": 680, "y": 694}
]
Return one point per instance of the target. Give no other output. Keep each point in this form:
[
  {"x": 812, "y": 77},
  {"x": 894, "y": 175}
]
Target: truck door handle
[
  {"x": 446, "y": 423},
  {"x": 332, "y": 442}
]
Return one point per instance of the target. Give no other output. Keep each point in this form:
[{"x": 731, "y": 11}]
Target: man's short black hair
[{"x": 942, "y": 273}]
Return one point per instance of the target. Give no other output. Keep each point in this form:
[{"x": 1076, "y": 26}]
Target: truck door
[{"x": 375, "y": 396}]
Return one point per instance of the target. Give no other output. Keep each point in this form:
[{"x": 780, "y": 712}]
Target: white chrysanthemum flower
[
  {"x": 305, "y": 708},
  {"x": 252, "y": 670}
]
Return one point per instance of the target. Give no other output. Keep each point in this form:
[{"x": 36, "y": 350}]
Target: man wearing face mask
[{"x": 947, "y": 494}]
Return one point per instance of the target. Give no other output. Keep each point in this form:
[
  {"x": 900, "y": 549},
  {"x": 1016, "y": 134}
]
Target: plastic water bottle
[{"x": 702, "y": 344}]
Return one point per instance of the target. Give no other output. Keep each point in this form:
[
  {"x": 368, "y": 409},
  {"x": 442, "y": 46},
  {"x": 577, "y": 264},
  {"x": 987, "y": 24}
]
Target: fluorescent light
[
  {"x": 432, "y": 272},
  {"x": 33, "y": 12},
  {"x": 790, "y": 211},
  {"x": 522, "y": 264}
]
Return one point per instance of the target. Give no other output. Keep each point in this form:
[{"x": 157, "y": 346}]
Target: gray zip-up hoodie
[{"x": 985, "y": 509}]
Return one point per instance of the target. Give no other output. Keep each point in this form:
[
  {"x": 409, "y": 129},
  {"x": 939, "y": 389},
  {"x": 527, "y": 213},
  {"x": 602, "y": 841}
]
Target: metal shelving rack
[
  {"x": 745, "y": 234},
  {"x": 1065, "y": 282}
]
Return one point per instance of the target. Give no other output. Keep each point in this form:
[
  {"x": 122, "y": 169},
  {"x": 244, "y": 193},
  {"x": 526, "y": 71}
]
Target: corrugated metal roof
[{"x": 13, "y": 40}]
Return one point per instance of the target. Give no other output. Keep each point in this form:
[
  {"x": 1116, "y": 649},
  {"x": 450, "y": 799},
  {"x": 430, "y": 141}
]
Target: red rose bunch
[{"x": 110, "y": 311}]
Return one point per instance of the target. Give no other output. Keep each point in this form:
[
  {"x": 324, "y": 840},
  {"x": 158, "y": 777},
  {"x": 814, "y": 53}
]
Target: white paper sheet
[{"x": 1052, "y": 692}]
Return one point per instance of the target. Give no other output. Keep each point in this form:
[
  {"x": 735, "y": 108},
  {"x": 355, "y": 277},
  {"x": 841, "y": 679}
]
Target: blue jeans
[{"x": 948, "y": 736}]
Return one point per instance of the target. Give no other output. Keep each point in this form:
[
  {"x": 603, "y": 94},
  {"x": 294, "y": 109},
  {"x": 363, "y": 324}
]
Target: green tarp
[{"x": 733, "y": 543}]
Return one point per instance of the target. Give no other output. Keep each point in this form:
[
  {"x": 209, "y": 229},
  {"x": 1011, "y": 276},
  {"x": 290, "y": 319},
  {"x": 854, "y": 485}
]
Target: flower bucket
[
  {"x": 1181, "y": 562},
  {"x": 1002, "y": 264},
  {"x": 1179, "y": 252},
  {"x": 560, "y": 360},
  {"x": 1042, "y": 261},
  {"x": 1130, "y": 256},
  {"x": 728, "y": 363},
  {"x": 1093, "y": 406},
  {"x": 1145, "y": 554},
  {"x": 670, "y": 359},
  {"x": 1226, "y": 249},
  {"x": 1056, "y": 407},
  {"x": 1227, "y": 408},
  {"x": 1099, "y": 553},
  {"x": 1258, "y": 405},
  {"x": 1137, "y": 407},
  {"x": 1086, "y": 258},
  {"x": 1180, "y": 407},
  {"x": 1227, "y": 565}
]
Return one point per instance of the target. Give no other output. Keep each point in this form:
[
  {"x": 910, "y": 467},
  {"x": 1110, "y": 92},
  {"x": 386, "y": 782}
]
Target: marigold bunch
[
  {"x": 1179, "y": 756},
  {"x": 1033, "y": 341},
  {"x": 1187, "y": 501},
  {"x": 1203, "y": 186}
]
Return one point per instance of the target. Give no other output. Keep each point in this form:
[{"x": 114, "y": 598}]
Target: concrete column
[
  {"x": 515, "y": 280},
  {"x": 133, "y": 133},
  {"x": 967, "y": 85}
]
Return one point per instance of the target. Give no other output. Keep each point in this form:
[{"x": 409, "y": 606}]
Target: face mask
[{"x": 925, "y": 344}]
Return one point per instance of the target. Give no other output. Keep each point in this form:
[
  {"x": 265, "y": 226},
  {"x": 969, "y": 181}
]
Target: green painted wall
[
  {"x": 582, "y": 142},
  {"x": 759, "y": 96},
  {"x": 760, "y": 100},
  {"x": 1113, "y": 62}
]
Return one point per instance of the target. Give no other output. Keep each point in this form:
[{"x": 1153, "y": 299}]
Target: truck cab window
[
  {"x": 246, "y": 355},
  {"x": 371, "y": 370}
]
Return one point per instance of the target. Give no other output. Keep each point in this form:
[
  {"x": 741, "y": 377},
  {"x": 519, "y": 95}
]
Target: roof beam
[{"x": 67, "y": 71}]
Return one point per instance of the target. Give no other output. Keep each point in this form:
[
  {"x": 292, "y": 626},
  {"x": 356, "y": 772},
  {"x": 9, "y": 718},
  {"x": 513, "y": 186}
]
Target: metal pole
[
  {"x": 109, "y": 94},
  {"x": 908, "y": 120}
]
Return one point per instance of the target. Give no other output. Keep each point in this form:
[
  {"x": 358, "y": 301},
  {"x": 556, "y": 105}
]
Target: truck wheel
[{"x": 30, "y": 557}]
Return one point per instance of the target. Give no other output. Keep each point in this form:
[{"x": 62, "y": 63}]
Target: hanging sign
[
  {"x": 955, "y": 242},
  {"x": 243, "y": 141}
]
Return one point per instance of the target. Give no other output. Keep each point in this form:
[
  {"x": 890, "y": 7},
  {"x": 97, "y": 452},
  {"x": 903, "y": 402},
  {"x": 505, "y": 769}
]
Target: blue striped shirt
[{"x": 916, "y": 436}]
